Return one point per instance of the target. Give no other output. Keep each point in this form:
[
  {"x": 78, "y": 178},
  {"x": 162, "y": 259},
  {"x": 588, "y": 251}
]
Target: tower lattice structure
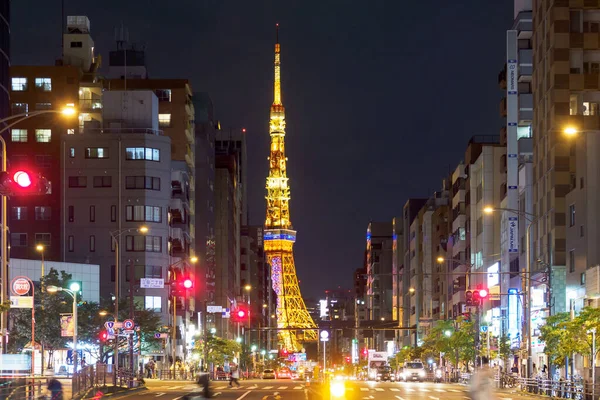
[{"x": 279, "y": 236}]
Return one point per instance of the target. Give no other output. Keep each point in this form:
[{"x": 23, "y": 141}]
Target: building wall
[
  {"x": 91, "y": 213},
  {"x": 43, "y": 157},
  {"x": 4, "y": 58}
]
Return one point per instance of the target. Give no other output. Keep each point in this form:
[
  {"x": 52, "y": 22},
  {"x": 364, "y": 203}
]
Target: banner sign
[
  {"x": 513, "y": 235},
  {"x": 21, "y": 301},
  {"x": 67, "y": 326},
  {"x": 152, "y": 283}
]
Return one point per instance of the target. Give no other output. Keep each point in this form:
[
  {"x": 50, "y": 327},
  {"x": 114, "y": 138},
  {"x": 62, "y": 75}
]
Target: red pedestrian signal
[
  {"x": 241, "y": 313},
  {"x": 103, "y": 336},
  {"x": 22, "y": 179},
  {"x": 365, "y": 352},
  {"x": 181, "y": 286},
  {"x": 188, "y": 283}
]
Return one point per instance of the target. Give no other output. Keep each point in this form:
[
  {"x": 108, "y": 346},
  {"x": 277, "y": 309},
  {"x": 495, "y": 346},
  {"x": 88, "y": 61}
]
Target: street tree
[
  {"x": 218, "y": 350},
  {"x": 554, "y": 333}
]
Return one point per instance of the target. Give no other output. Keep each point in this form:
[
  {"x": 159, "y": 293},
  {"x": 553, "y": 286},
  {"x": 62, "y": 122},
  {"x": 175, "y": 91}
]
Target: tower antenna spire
[{"x": 277, "y": 80}]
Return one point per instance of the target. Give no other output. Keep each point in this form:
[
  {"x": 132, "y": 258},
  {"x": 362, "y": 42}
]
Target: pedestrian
[
  {"x": 55, "y": 388},
  {"x": 482, "y": 383},
  {"x": 235, "y": 375}
]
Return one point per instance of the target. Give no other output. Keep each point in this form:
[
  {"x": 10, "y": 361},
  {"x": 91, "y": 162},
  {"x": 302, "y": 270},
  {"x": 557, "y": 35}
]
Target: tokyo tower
[{"x": 279, "y": 236}]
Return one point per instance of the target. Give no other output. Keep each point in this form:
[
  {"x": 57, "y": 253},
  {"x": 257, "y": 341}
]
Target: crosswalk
[{"x": 192, "y": 387}]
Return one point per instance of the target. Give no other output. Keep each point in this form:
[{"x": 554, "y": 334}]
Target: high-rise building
[{"x": 4, "y": 58}]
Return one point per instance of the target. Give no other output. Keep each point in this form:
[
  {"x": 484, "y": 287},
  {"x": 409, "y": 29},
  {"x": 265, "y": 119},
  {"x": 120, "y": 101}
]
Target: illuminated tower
[{"x": 279, "y": 236}]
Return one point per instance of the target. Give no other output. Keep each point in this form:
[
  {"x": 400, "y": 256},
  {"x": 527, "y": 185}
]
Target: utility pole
[{"x": 131, "y": 286}]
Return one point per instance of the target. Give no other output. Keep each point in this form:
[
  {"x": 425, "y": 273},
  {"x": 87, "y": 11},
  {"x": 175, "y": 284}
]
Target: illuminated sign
[
  {"x": 493, "y": 276},
  {"x": 323, "y": 308}
]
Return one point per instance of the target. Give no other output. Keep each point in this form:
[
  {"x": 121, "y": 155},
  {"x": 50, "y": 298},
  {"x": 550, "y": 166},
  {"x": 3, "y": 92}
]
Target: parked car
[
  {"x": 284, "y": 374},
  {"x": 268, "y": 374}
]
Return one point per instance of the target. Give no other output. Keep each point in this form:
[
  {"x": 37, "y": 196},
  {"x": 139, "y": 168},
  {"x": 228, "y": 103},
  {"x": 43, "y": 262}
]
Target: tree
[
  {"x": 555, "y": 336},
  {"x": 218, "y": 349},
  {"x": 579, "y": 328}
]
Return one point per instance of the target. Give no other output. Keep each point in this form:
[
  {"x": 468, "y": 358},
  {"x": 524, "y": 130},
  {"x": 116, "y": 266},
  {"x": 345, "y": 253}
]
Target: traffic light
[
  {"x": 469, "y": 298},
  {"x": 365, "y": 352},
  {"x": 476, "y": 298},
  {"x": 21, "y": 182},
  {"x": 103, "y": 336},
  {"x": 483, "y": 293},
  {"x": 241, "y": 314},
  {"x": 181, "y": 285}
]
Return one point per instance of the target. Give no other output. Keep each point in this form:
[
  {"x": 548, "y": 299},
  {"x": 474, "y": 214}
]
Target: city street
[{"x": 297, "y": 390}]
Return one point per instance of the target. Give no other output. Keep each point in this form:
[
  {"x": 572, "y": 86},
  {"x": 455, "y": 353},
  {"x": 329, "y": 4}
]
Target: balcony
[
  {"x": 177, "y": 183},
  {"x": 189, "y": 156},
  {"x": 90, "y": 105},
  {"x": 189, "y": 132},
  {"x": 177, "y": 211},
  {"x": 177, "y": 239}
]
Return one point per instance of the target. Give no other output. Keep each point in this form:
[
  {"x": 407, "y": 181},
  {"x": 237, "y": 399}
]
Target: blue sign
[
  {"x": 513, "y": 233},
  {"x": 484, "y": 328}
]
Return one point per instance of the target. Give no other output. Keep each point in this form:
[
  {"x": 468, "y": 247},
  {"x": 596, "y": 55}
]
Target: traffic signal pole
[{"x": 4, "y": 260}]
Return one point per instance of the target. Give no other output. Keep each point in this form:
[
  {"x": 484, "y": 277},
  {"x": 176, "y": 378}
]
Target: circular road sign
[
  {"x": 128, "y": 324},
  {"x": 20, "y": 286},
  {"x": 324, "y": 335}
]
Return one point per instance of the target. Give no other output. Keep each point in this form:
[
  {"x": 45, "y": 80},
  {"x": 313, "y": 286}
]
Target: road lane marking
[
  {"x": 394, "y": 389},
  {"x": 364, "y": 389},
  {"x": 244, "y": 395},
  {"x": 253, "y": 387},
  {"x": 160, "y": 394},
  {"x": 410, "y": 390},
  {"x": 268, "y": 387},
  {"x": 221, "y": 387},
  {"x": 297, "y": 387},
  {"x": 434, "y": 398},
  {"x": 282, "y": 387},
  {"x": 175, "y": 387},
  {"x": 379, "y": 389},
  {"x": 216, "y": 394},
  {"x": 399, "y": 398},
  {"x": 425, "y": 390}
]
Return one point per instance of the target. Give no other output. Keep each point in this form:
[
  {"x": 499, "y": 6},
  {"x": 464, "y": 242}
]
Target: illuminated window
[
  {"x": 142, "y": 153},
  {"x": 96, "y": 152},
  {"x": 19, "y": 213},
  {"x": 43, "y": 213},
  {"x": 43, "y": 135},
  {"x": 164, "y": 120},
  {"x": 153, "y": 303},
  {"x": 524, "y": 132},
  {"x": 44, "y": 84},
  {"x": 19, "y": 108},
  {"x": 18, "y": 135},
  {"x": 19, "y": 84},
  {"x": 70, "y": 131},
  {"x": 163, "y": 95},
  {"x": 43, "y": 106}
]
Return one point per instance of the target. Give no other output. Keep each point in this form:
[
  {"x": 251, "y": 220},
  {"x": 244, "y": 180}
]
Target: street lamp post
[
  {"x": 40, "y": 248},
  {"x": 593, "y": 332},
  {"x": 72, "y": 291},
  {"x": 14, "y": 119}
]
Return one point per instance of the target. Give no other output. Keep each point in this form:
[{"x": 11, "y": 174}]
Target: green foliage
[
  {"x": 554, "y": 334},
  {"x": 218, "y": 349},
  {"x": 458, "y": 347}
]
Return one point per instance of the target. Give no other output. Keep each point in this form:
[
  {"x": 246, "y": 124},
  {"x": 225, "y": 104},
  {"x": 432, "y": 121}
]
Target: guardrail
[
  {"x": 21, "y": 388},
  {"x": 560, "y": 389}
]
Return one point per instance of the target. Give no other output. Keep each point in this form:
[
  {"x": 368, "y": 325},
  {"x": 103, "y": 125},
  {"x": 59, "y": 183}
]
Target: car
[
  {"x": 385, "y": 374},
  {"x": 284, "y": 374},
  {"x": 414, "y": 371},
  {"x": 268, "y": 374}
]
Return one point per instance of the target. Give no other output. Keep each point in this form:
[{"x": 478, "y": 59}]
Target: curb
[{"x": 119, "y": 394}]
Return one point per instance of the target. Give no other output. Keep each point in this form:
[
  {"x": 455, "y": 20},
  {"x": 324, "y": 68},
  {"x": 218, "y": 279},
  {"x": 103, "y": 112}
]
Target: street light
[
  {"x": 115, "y": 235},
  {"x": 72, "y": 291},
  {"x": 14, "y": 119},
  {"x": 570, "y": 131},
  {"x": 593, "y": 332}
]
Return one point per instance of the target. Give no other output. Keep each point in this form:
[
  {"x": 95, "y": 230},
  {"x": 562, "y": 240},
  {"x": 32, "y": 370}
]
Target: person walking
[
  {"x": 235, "y": 376},
  {"x": 482, "y": 383}
]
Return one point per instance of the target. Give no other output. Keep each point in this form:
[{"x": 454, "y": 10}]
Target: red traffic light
[
  {"x": 103, "y": 336},
  {"x": 241, "y": 313},
  {"x": 365, "y": 352},
  {"x": 483, "y": 293},
  {"x": 22, "y": 179},
  {"x": 188, "y": 283}
]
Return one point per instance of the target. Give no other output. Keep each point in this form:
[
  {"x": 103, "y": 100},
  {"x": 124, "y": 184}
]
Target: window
[
  {"x": 572, "y": 215},
  {"x": 142, "y": 182},
  {"x": 19, "y": 84},
  {"x": 18, "y": 239},
  {"x": 44, "y": 84},
  {"x": 163, "y": 95},
  {"x": 43, "y": 160},
  {"x": 151, "y": 244},
  {"x": 572, "y": 261},
  {"x": 18, "y": 135},
  {"x": 43, "y": 106},
  {"x": 581, "y": 231},
  {"x": 164, "y": 120},
  {"x": 92, "y": 213},
  {"x": 143, "y": 213},
  {"x": 153, "y": 271},
  {"x": 142, "y": 153},
  {"x": 113, "y": 213},
  {"x": 72, "y": 152},
  {"x": 19, "y": 108},
  {"x": 92, "y": 243},
  {"x": 42, "y": 238},
  {"x": 43, "y": 213},
  {"x": 76, "y": 44},
  {"x": 71, "y": 243},
  {"x": 582, "y": 278},
  {"x": 43, "y": 135},
  {"x": 96, "y": 152},
  {"x": 153, "y": 303},
  {"x": 70, "y": 131},
  {"x": 103, "y": 181},
  {"x": 19, "y": 213},
  {"x": 71, "y": 213},
  {"x": 77, "y": 181}
]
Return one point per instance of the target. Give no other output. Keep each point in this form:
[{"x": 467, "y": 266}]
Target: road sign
[
  {"x": 161, "y": 335},
  {"x": 128, "y": 324},
  {"x": 21, "y": 301},
  {"x": 20, "y": 286},
  {"x": 324, "y": 336},
  {"x": 110, "y": 331},
  {"x": 152, "y": 283},
  {"x": 214, "y": 309},
  {"x": 110, "y": 337},
  {"x": 109, "y": 324},
  {"x": 127, "y": 331},
  {"x": 484, "y": 328},
  {"x": 226, "y": 313}
]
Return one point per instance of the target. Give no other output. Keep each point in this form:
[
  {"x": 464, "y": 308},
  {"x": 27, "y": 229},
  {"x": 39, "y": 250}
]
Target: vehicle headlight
[
  {"x": 337, "y": 389},
  {"x": 422, "y": 373},
  {"x": 403, "y": 375},
  {"x": 372, "y": 374}
]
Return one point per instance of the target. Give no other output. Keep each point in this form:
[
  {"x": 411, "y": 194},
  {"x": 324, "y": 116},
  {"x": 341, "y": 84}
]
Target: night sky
[{"x": 381, "y": 96}]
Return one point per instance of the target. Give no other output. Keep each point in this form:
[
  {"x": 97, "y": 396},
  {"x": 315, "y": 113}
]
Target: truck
[{"x": 376, "y": 359}]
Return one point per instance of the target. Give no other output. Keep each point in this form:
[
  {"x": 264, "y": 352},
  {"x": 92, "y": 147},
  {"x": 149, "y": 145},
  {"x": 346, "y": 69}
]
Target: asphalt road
[{"x": 297, "y": 390}]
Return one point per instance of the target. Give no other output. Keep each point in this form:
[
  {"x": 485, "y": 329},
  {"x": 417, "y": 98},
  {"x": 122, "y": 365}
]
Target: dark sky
[{"x": 381, "y": 96}]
